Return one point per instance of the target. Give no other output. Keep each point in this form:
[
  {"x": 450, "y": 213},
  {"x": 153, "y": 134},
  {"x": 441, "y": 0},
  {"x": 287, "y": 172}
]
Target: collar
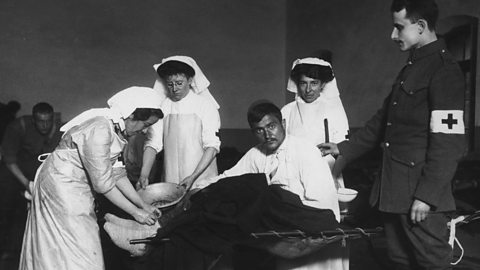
[
  {"x": 429, "y": 49},
  {"x": 300, "y": 100},
  {"x": 188, "y": 96}
]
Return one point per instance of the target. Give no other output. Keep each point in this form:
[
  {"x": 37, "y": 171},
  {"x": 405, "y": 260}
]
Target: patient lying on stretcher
[{"x": 281, "y": 184}]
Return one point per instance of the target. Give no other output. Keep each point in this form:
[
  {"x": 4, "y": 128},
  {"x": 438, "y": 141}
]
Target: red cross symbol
[{"x": 450, "y": 121}]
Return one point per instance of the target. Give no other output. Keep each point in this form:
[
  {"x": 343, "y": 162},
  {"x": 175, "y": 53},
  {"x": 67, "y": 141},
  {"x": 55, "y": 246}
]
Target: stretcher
[
  {"x": 453, "y": 225},
  {"x": 294, "y": 244}
]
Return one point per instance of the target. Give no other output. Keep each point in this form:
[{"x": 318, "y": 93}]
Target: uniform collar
[
  {"x": 430, "y": 48},
  {"x": 185, "y": 98}
]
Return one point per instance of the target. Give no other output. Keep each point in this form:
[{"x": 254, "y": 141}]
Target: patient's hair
[
  {"x": 318, "y": 72},
  {"x": 257, "y": 111},
  {"x": 142, "y": 114},
  {"x": 42, "y": 108},
  {"x": 174, "y": 67},
  {"x": 418, "y": 9}
]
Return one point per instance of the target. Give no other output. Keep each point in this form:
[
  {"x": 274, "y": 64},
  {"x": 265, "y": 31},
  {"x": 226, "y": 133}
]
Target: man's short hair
[
  {"x": 257, "y": 111},
  {"x": 174, "y": 67},
  {"x": 43, "y": 108},
  {"x": 318, "y": 72},
  {"x": 418, "y": 9}
]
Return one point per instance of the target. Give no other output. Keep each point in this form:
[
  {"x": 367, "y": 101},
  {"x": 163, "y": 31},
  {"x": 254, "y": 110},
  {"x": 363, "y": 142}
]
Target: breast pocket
[{"x": 413, "y": 102}]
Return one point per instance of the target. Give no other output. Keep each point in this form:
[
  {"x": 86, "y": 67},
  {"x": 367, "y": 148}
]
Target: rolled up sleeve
[
  {"x": 94, "y": 150},
  {"x": 155, "y": 136},
  {"x": 210, "y": 127}
]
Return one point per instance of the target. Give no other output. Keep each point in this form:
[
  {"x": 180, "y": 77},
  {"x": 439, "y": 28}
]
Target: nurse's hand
[
  {"x": 329, "y": 148},
  {"x": 142, "y": 182},
  {"x": 30, "y": 187},
  {"x": 144, "y": 217},
  {"x": 187, "y": 182},
  {"x": 152, "y": 209}
]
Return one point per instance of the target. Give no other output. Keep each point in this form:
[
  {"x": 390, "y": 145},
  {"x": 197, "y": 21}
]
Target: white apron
[
  {"x": 307, "y": 120},
  {"x": 61, "y": 231},
  {"x": 183, "y": 148}
]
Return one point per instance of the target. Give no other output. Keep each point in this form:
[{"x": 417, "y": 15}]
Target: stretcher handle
[{"x": 146, "y": 240}]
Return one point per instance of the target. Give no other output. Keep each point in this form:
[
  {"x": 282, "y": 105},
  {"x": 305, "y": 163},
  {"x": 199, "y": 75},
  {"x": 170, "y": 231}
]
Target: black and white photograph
[{"x": 239, "y": 135}]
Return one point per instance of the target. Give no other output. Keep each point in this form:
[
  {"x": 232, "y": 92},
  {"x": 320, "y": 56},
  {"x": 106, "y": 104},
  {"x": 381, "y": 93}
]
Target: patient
[
  {"x": 297, "y": 166},
  {"x": 281, "y": 184},
  {"x": 294, "y": 164}
]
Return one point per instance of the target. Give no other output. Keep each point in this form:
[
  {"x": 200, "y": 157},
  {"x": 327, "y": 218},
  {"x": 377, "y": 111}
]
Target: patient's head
[{"x": 265, "y": 120}]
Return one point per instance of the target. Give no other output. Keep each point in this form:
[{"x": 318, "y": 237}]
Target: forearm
[
  {"x": 118, "y": 199},
  {"x": 204, "y": 162},
  {"x": 149, "y": 155},
  {"x": 126, "y": 188},
  {"x": 13, "y": 167},
  {"x": 368, "y": 137}
]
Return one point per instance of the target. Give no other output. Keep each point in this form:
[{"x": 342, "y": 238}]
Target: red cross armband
[{"x": 448, "y": 122}]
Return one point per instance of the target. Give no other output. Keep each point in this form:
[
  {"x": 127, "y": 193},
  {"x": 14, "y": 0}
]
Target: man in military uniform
[
  {"x": 25, "y": 139},
  {"x": 420, "y": 127}
]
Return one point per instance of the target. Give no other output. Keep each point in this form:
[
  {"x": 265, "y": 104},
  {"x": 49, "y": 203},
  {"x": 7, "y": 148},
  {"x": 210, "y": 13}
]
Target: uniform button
[
  {"x": 387, "y": 144},
  {"x": 394, "y": 103},
  {"x": 412, "y": 163},
  {"x": 443, "y": 51},
  {"x": 401, "y": 82},
  {"x": 410, "y": 62},
  {"x": 389, "y": 124},
  {"x": 411, "y": 92}
]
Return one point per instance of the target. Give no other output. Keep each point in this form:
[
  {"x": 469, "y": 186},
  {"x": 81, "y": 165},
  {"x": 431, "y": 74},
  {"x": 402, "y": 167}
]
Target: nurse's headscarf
[
  {"x": 121, "y": 106},
  {"x": 329, "y": 91},
  {"x": 199, "y": 83}
]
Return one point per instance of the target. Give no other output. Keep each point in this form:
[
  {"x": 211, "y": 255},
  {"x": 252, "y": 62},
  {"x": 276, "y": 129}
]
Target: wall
[
  {"x": 365, "y": 60},
  {"x": 76, "y": 54}
]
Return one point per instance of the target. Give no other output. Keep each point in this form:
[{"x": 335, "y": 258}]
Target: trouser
[
  {"x": 13, "y": 214},
  {"x": 418, "y": 246}
]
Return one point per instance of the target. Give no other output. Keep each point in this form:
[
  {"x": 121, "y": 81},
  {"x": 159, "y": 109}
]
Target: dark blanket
[{"x": 224, "y": 214}]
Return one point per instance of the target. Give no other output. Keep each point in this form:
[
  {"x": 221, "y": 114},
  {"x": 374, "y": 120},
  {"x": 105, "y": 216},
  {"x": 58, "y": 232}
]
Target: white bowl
[
  {"x": 162, "y": 195},
  {"x": 346, "y": 194}
]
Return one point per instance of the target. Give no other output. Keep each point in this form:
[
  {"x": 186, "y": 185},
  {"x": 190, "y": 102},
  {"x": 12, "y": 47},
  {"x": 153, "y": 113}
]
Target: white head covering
[
  {"x": 122, "y": 105},
  {"x": 329, "y": 91},
  {"x": 199, "y": 84}
]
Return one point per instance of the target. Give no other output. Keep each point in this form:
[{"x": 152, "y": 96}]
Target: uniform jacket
[
  {"x": 420, "y": 127},
  {"x": 22, "y": 144}
]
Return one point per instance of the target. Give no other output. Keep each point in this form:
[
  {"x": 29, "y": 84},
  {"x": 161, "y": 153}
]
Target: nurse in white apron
[
  {"x": 316, "y": 115},
  {"x": 62, "y": 230},
  {"x": 188, "y": 132}
]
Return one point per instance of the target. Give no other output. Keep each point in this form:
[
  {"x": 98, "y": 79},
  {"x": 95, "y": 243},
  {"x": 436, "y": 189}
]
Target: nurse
[
  {"x": 317, "y": 112},
  {"x": 62, "y": 230},
  {"x": 188, "y": 132},
  {"x": 317, "y": 115}
]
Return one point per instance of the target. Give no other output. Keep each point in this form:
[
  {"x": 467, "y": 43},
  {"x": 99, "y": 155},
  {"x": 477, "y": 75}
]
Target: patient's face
[
  {"x": 269, "y": 132},
  {"x": 309, "y": 89}
]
